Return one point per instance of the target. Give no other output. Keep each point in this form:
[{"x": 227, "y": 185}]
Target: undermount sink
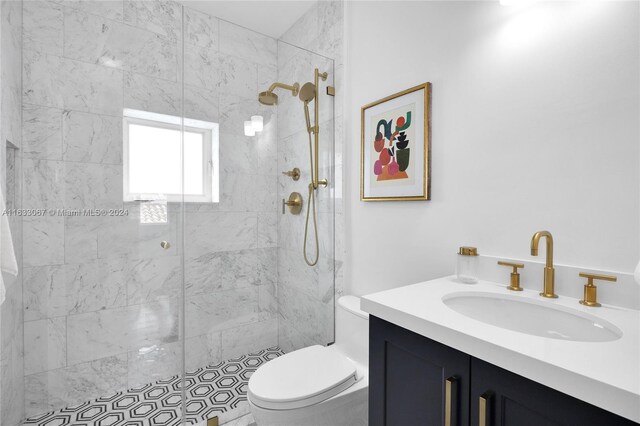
[{"x": 533, "y": 317}]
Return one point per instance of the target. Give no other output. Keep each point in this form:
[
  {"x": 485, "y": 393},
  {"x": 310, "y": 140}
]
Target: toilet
[{"x": 318, "y": 385}]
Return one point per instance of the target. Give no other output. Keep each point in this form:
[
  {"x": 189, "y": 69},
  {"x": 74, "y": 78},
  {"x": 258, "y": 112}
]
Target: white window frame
[{"x": 211, "y": 155}]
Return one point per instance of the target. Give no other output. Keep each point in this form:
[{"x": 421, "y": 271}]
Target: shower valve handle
[{"x": 294, "y": 203}]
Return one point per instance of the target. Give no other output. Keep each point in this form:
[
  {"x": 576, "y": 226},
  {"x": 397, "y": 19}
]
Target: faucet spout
[
  {"x": 535, "y": 240},
  {"x": 549, "y": 279}
]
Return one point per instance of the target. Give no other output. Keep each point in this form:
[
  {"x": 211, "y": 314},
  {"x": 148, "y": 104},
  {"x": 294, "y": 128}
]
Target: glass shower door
[{"x": 102, "y": 157}]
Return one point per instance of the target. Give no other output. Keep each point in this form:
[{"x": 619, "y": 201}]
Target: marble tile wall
[
  {"x": 11, "y": 321},
  {"x": 306, "y": 294},
  {"x": 102, "y": 300}
]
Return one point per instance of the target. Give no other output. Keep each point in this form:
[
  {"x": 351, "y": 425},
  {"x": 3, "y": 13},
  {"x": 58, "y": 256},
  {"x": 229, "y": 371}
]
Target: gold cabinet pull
[
  {"x": 165, "y": 245},
  {"x": 484, "y": 409},
  {"x": 514, "y": 284},
  {"x": 449, "y": 385},
  {"x": 590, "y": 290}
]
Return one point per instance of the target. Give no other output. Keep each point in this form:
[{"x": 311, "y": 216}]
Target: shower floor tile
[{"x": 217, "y": 390}]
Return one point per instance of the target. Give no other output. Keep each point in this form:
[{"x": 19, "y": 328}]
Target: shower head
[
  {"x": 270, "y": 98},
  {"x": 307, "y": 92}
]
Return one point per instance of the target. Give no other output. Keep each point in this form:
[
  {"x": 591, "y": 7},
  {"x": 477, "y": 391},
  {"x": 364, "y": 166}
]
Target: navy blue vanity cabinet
[
  {"x": 413, "y": 380},
  {"x": 512, "y": 400},
  {"x": 408, "y": 385}
]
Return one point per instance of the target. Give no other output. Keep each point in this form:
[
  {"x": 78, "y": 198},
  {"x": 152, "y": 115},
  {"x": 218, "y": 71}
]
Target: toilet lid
[{"x": 301, "y": 378}]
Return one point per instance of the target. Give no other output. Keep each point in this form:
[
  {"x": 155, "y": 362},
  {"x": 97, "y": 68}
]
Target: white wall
[{"x": 534, "y": 126}]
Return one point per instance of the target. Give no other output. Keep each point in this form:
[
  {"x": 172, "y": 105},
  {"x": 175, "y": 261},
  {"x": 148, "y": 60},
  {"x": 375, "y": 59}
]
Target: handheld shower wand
[
  {"x": 306, "y": 116},
  {"x": 308, "y": 93}
]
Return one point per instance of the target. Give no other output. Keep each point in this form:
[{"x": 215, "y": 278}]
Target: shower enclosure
[{"x": 158, "y": 270}]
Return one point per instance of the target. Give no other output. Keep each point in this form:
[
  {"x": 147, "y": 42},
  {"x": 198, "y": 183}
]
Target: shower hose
[{"x": 311, "y": 205}]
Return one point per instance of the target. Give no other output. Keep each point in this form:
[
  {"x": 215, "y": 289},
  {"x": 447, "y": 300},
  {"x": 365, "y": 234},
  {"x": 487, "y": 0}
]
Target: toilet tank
[{"x": 352, "y": 329}]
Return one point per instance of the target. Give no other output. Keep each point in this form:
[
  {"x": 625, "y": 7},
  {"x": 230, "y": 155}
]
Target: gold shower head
[{"x": 270, "y": 98}]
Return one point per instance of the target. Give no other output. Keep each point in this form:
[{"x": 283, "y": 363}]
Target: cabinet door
[
  {"x": 512, "y": 400},
  {"x": 408, "y": 376}
]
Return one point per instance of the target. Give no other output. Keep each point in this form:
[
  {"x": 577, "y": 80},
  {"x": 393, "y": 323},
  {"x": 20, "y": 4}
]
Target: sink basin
[{"x": 533, "y": 317}]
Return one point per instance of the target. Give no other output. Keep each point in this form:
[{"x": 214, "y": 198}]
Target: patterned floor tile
[{"x": 216, "y": 390}]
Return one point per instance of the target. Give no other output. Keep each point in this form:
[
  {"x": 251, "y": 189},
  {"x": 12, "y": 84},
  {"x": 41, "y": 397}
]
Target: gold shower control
[
  {"x": 293, "y": 173},
  {"x": 307, "y": 93},
  {"x": 294, "y": 203},
  {"x": 590, "y": 296},
  {"x": 514, "y": 285}
]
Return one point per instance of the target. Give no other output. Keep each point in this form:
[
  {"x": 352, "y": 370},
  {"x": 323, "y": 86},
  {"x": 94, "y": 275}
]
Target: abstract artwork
[{"x": 395, "y": 146}]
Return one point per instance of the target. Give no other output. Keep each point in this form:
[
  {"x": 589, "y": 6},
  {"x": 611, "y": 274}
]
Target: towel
[{"x": 7, "y": 254}]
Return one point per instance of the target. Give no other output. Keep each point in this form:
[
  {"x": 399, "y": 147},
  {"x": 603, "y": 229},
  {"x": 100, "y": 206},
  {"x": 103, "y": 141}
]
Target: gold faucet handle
[
  {"x": 590, "y": 290},
  {"x": 515, "y": 266},
  {"x": 591, "y": 277},
  {"x": 515, "y": 276}
]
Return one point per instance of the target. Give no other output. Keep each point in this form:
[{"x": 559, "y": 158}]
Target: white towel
[{"x": 7, "y": 254}]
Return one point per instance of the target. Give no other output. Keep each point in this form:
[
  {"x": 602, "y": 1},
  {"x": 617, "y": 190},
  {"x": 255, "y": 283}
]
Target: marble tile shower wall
[
  {"x": 11, "y": 322},
  {"x": 306, "y": 294},
  {"x": 102, "y": 300}
]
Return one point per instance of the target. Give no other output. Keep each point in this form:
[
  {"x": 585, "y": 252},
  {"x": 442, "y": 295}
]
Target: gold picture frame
[{"x": 385, "y": 175}]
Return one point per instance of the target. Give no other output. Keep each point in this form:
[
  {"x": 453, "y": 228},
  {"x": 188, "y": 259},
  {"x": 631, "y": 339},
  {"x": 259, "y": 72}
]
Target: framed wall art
[{"x": 395, "y": 160}]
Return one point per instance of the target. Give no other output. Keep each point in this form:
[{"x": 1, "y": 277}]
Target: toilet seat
[{"x": 301, "y": 378}]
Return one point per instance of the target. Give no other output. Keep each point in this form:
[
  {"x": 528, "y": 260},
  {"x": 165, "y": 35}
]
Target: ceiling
[{"x": 269, "y": 17}]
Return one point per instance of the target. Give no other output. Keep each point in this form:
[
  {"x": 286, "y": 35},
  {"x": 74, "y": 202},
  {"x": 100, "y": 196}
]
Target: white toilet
[{"x": 318, "y": 385}]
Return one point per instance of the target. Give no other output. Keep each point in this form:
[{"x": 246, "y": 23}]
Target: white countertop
[{"x": 605, "y": 374}]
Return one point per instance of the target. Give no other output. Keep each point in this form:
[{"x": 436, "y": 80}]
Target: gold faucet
[{"x": 547, "y": 290}]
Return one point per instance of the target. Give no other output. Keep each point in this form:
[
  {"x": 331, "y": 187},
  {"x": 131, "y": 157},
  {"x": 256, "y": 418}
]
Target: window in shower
[{"x": 154, "y": 158}]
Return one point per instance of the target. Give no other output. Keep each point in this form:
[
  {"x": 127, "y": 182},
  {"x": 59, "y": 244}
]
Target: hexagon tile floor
[{"x": 217, "y": 390}]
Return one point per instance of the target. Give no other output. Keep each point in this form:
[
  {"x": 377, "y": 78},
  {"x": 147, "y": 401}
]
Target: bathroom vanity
[{"x": 435, "y": 361}]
